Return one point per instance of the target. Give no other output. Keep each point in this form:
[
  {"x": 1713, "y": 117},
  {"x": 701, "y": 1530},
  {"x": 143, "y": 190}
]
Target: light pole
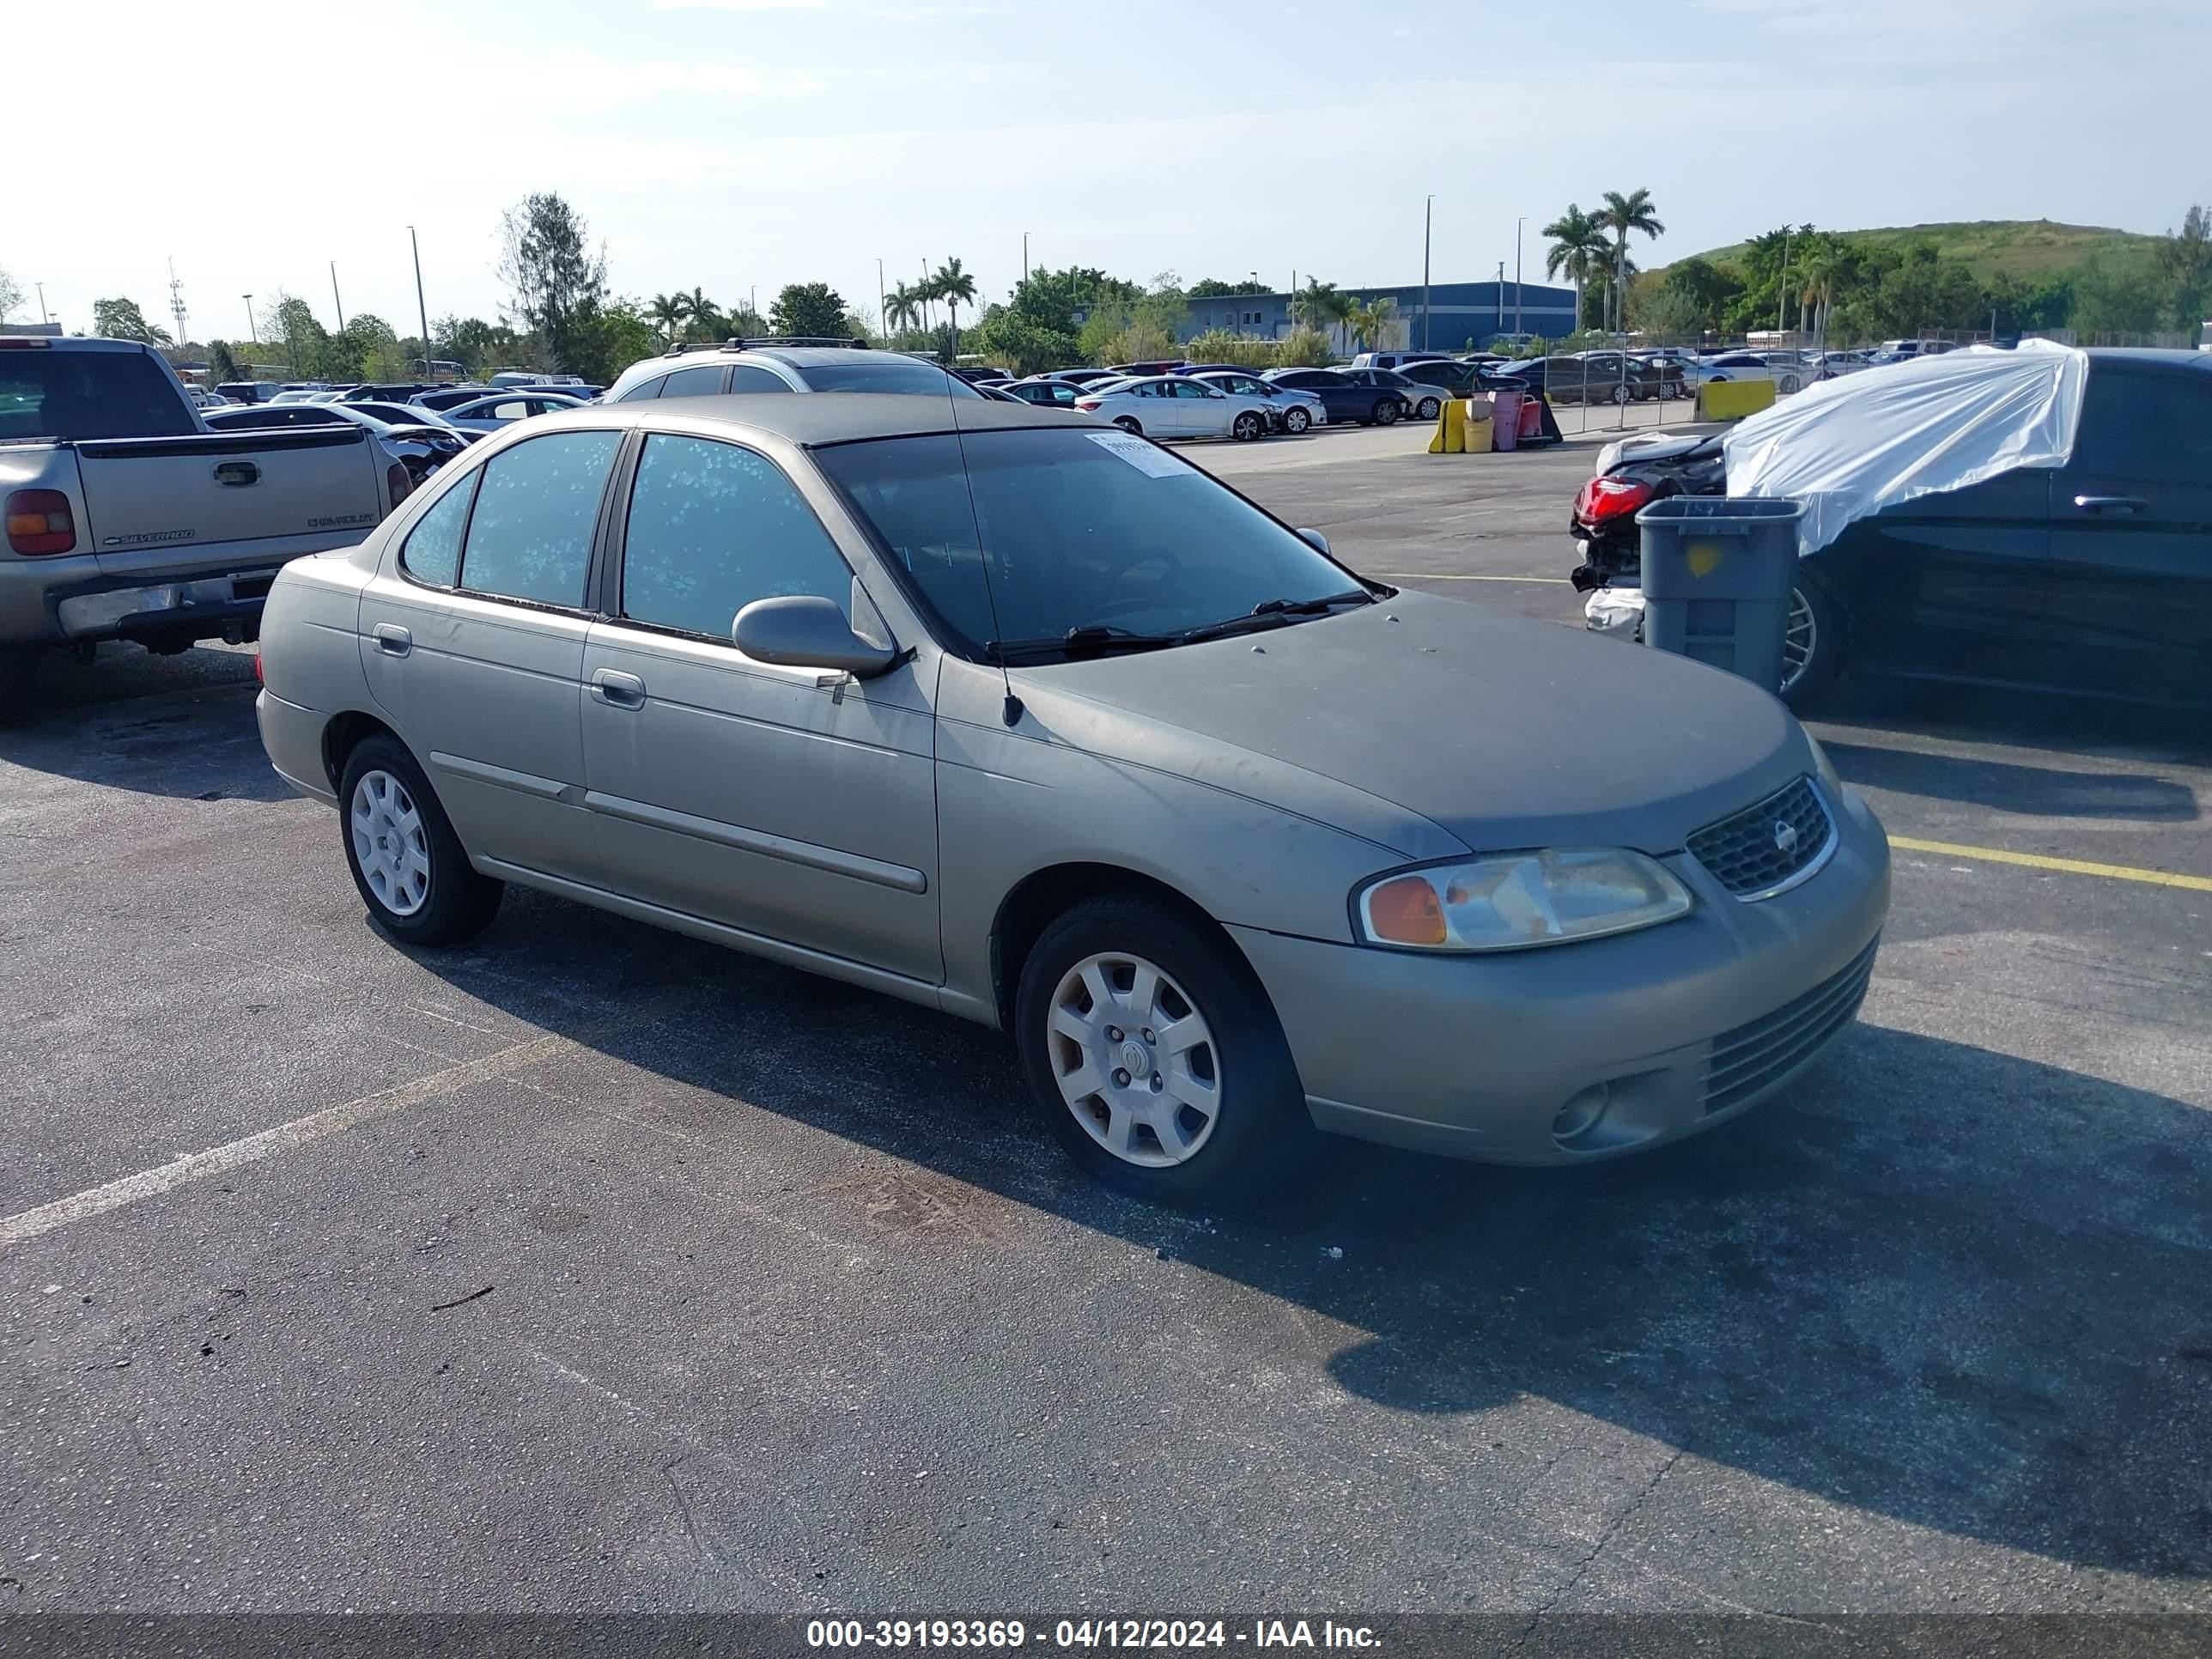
[
  {"x": 1428, "y": 214},
  {"x": 422, "y": 310},
  {"x": 1517, "y": 225},
  {"x": 883, "y": 304},
  {"x": 250, "y": 333},
  {"x": 1025, "y": 256},
  {"x": 41, "y": 287},
  {"x": 1782, "y": 299},
  {"x": 337, "y": 304}
]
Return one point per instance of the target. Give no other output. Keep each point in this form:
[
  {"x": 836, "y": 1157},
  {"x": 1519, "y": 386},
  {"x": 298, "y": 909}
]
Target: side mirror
[
  {"x": 808, "y": 631},
  {"x": 1316, "y": 538}
]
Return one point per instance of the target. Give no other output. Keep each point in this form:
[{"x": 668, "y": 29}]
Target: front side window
[
  {"x": 432, "y": 552},
  {"x": 712, "y": 528},
  {"x": 750, "y": 377},
  {"x": 1074, "y": 528},
  {"x": 537, "y": 507}
]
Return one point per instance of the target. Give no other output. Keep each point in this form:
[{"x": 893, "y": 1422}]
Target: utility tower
[{"x": 177, "y": 303}]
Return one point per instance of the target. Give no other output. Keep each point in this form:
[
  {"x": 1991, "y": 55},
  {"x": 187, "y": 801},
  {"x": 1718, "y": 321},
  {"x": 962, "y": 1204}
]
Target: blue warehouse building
[{"x": 1457, "y": 313}]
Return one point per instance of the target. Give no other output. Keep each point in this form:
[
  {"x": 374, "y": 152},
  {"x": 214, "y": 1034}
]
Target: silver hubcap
[
  {"x": 1135, "y": 1060},
  {"x": 1801, "y": 636},
  {"x": 1296, "y": 420},
  {"x": 389, "y": 843}
]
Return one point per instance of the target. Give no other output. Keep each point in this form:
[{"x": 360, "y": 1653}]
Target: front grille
[
  {"x": 1751, "y": 1056},
  {"x": 1763, "y": 847}
]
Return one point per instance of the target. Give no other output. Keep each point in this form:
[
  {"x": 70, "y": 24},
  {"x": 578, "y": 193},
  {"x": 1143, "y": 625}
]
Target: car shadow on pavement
[
  {"x": 195, "y": 744},
  {"x": 2009, "y": 786},
  {"x": 1949, "y": 1285}
]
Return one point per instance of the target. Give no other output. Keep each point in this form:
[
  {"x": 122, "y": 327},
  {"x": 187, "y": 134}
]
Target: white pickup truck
[{"x": 128, "y": 518}]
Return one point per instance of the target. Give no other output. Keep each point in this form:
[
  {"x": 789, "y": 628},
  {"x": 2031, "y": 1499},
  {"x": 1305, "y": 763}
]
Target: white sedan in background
[
  {"x": 1177, "y": 406},
  {"x": 1786, "y": 369}
]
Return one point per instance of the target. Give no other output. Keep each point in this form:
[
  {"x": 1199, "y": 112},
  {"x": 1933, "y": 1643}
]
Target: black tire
[
  {"x": 1427, "y": 408},
  {"x": 1263, "y": 1140},
  {"x": 1789, "y": 383},
  {"x": 1128, "y": 423},
  {"x": 1296, "y": 421},
  {"x": 1830, "y": 644},
  {"x": 459, "y": 902},
  {"x": 19, "y": 684},
  {"x": 1386, "y": 413},
  {"x": 1620, "y": 394},
  {"x": 1247, "y": 426}
]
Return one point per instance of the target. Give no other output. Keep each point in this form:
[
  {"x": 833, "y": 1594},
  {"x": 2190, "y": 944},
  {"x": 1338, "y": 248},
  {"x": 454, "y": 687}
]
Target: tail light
[
  {"x": 398, "y": 482},
  {"x": 38, "y": 522},
  {"x": 1086, "y": 402},
  {"x": 1602, "y": 500},
  {"x": 258, "y": 677}
]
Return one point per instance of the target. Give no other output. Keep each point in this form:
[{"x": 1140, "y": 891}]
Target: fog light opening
[{"x": 1583, "y": 1111}]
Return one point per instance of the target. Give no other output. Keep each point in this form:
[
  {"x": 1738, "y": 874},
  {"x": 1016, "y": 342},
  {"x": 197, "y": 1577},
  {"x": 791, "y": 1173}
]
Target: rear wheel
[
  {"x": 1386, "y": 413},
  {"x": 1812, "y": 645},
  {"x": 1296, "y": 420},
  {"x": 1620, "y": 393},
  {"x": 1789, "y": 383},
  {"x": 407, "y": 863},
  {"x": 1247, "y": 426},
  {"x": 1128, "y": 423},
  {"x": 1156, "y": 1057}
]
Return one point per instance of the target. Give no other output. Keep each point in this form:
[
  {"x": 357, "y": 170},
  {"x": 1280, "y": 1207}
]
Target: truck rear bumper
[{"x": 67, "y": 601}]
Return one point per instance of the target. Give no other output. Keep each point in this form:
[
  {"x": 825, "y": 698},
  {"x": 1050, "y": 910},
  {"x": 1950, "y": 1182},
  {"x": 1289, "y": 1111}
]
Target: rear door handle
[
  {"x": 392, "y": 639},
  {"x": 618, "y": 689},
  {"x": 2111, "y": 503}
]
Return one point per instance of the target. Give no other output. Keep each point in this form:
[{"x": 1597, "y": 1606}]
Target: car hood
[{"x": 1503, "y": 731}]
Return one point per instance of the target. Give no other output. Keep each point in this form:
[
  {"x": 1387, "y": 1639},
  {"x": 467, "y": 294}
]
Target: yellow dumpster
[
  {"x": 1731, "y": 400},
  {"x": 1450, "y": 437}
]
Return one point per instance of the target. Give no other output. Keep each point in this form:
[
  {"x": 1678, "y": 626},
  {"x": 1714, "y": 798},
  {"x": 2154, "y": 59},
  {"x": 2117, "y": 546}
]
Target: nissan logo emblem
[{"x": 1786, "y": 836}]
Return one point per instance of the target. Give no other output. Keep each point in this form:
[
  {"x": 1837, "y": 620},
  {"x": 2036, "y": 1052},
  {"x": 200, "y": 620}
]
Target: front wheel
[
  {"x": 1789, "y": 383},
  {"x": 1247, "y": 426},
  {"x": 1427, "y": 409},
  {"x": 1812, "y": 640},
  {"x": 400, "y": 848},
  {"x": 1156, "y": 1057},
  {"x": 1386, "y": 414},
  {"x": 1296, "y": 421}
]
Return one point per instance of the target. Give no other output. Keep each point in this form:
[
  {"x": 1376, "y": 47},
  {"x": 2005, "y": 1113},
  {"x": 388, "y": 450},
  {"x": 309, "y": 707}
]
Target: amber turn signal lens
[{"x": 1406, "y": 912}]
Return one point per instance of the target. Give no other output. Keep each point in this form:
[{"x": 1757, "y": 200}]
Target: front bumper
[{"x": 1680, "y": 1027}]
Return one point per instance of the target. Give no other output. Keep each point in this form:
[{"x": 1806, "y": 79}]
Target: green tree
[
  {"x": 2184, "y": 259},
  {"x": 1013, "y": 341},
  {"x": 121, "y": 319},
  {"x": 1370, "y": 323},
  {"x": 1700, "y": 291},
  {"x": 11, "y": 295},
  {"x": 549, "y": 267},
  {"x": 223, "y": 363},
  {"x": 807, "y": 309},
  {"x": 1620, "y": 217},
  {"x": 1578, "y": 248},
  {"x": 668, "y": 311},
  {"x": 957, "y": 288},
  {"x": 1208, "y": 288},
  {"x": 289, "y": 320},
  {"x": 901, "y": 308},
  {"x": 2117, "y": 299},
  {"x": 1321, "y": 305},
  {"x": 611, "y": 336}
]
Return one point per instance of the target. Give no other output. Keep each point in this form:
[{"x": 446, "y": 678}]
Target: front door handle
[
  {"x": 618, "y": 689},
  {"x": 2121, "y": 504},
  {"x": 391, "y": 639}
]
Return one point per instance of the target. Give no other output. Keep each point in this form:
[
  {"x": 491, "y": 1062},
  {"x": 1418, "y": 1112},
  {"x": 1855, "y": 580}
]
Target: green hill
[{"x": 2027, "y": 249}]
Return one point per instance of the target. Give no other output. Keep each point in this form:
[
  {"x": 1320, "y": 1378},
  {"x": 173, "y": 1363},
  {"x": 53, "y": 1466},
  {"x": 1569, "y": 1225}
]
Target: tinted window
[
  {"x": 44, "y": 393},
  {"x": 702, "y": 382},
  {"x": 886, "y": 374},
  {"x": 643, "y": 390},
  {"x": 1077, "y": 527},
  {"x": 1304, "y": 382},
  {"x": 433, "y": 550},
  {"x": 712, "y": 528},
  {"x": 2146, "y": 426},
  {"x": 1190, "y": 389},
  {"x": 748, "y": 377},
  {"x": 536, "y": 507}
]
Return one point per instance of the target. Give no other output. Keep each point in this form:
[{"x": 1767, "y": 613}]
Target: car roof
[
  {"x": 2198, "y": 363},
  {"x": 830, "y": 418}
]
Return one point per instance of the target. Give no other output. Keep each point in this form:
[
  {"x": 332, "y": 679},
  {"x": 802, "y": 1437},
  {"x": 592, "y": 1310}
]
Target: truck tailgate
[{"x": 249, "y": 497}]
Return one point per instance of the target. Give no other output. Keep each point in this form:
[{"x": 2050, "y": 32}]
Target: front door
[
  {"x": 472, "y": 639},
  {"x": 792, "y": 805}
]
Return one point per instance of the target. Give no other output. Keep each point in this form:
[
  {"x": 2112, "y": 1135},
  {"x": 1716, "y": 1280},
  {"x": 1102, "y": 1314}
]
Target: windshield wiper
[
  {"x": 1273, "y": 613},
  {"x": 1087, "y": 637}
]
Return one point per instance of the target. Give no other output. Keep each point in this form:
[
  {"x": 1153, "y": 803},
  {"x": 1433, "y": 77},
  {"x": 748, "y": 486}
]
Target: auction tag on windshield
[{"x": 1148, "y": 458}]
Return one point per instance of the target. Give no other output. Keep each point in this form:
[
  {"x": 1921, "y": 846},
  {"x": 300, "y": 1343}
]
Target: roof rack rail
[{"x": 734, "y": 344}]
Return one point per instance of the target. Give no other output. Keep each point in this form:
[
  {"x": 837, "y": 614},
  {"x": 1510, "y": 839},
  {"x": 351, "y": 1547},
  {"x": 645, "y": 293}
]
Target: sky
[{"x": 737, "y": 145}]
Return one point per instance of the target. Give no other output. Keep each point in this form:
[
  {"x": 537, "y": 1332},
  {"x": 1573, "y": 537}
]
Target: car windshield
[
  {"x": 1078, "y": 530},
  {"x": 888, "y": 373}
]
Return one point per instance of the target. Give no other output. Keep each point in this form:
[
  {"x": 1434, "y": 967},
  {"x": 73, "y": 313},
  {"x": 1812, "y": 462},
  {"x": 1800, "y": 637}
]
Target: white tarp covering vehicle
[{"x": 1847, "y": 448}]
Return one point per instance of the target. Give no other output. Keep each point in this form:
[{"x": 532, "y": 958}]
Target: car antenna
[{"x": 1011, "y": 711}]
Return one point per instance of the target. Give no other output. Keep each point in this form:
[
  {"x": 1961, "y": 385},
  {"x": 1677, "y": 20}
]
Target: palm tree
[
  {"x": 901, "y": 308},
  {"x": 957, "y": 288},
  {"x": 668, "y": 311},
  {"x": 1578, "y": 247},
  {"x": 1322, "y": 305},
  {"x": 1370, "y": 323},
  {"x": 1620, "y": 215}
]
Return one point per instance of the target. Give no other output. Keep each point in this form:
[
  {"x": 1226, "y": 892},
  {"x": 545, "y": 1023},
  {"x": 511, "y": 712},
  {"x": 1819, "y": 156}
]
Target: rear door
[
  {"x": 472, "y": 638},
  {"x": 786, "y": 802},
  {"x": 1198, "y": 413},
  {"x": 2130, "y": 570}
]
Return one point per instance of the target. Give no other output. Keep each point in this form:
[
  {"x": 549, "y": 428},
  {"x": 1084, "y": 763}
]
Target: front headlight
[{"x": 1512, "y": 901}]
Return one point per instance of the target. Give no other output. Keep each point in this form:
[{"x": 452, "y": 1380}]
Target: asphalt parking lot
[{"x": 592, "y": 1268}]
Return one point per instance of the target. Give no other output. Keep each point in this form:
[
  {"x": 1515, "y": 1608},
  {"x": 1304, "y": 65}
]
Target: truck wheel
[
  {"x": 19, "y": 677},
  {"x": 401, "y": 850}
]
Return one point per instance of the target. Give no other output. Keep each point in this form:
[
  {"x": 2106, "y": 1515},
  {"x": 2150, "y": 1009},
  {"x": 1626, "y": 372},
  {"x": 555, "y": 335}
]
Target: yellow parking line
[
  {"x": 1438, "y": 576},
  {"x": 2065, "y": 866}
]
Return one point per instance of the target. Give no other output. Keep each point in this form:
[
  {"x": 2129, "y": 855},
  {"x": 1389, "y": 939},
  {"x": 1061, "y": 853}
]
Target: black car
[
  {"x": 2094, "y": 578},
  {"x": 1455, "y": 379},
  {"x": 1046, "y": 394},
  {"x": 1355, "y": 394}
]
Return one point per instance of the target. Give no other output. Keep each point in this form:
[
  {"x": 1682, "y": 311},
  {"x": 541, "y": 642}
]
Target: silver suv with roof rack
[{"x": 783, "y": 364}]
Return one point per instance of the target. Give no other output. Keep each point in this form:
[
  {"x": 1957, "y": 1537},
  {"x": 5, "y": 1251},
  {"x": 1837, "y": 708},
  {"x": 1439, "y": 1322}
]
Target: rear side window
[
  {"x": 712, "y": 528},
  {"x": 747, "y": 377},
  {"x": 889, "y": 373},
  {"x": 702, "y": 382},
  {"x": 2146, "y": 426},
  {"x": 44, "y": 393},
  {"x": 433, "y": 549},
  {"x": 537, "y": 507}
]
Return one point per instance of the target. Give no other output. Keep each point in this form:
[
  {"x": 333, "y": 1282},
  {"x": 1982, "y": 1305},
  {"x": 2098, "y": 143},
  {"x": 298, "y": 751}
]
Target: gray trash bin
[{"x": 1717, "y": 574}]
